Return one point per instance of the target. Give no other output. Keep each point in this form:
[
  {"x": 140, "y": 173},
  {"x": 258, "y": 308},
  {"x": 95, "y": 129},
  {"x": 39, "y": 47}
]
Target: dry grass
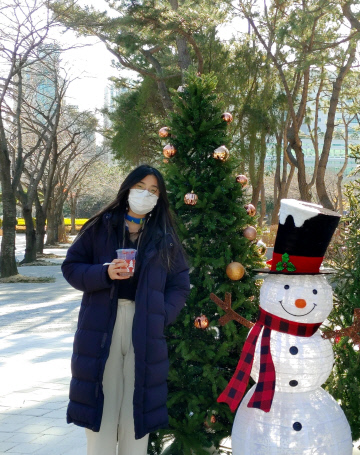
[
  {"x": 38, "y": 263},
  {"x": 27, "y": 279},
  {"x": 48, "y": 256}
]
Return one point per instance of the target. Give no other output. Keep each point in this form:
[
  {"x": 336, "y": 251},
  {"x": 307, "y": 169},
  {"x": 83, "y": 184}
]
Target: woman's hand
[{"x": 116, "y": 267}]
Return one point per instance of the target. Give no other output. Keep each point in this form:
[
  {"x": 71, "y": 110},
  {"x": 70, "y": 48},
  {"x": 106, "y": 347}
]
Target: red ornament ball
[
  {"x": 169, "y": 151},
  {"x": 227, "y": 117},
  {"x": 221, "y": 153},
  {"x": 242, "y": 179},
  {"x": 251, "y": 210},
  {"x": 201, "y": 322},
  {"x": 164, "y": 131},
  {"x": 250, "y": 233},
  {"x": 191, "y": 198}
]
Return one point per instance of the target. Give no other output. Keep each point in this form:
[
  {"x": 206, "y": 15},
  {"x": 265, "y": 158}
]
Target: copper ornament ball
[
  {"x": 201, "y": 322},
  {"x": 242, "y": 179},
  {"x": 221, "y": 153},
  {"x": 251, "y": 210},
  {"x": 169, "y": 151},
  {"x": 235, "y": 271},
  {"x": 213, "y": 419},
  {"x": 227, "y": 117},
  {"x": 250, "y": 233},
  {"x": 164, "y": 131},
  {"x": 191, "y": 198}
]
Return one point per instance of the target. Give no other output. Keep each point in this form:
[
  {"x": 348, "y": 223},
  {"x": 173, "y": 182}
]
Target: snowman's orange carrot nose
[{"x": 300, "y": 303}]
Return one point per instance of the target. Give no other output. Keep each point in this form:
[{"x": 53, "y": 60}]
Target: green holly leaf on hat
[
  {"x": 291, "y": 267},
  {"x": 285, "y": 264}
]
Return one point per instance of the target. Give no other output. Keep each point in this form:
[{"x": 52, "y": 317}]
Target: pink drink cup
[{"x": 128, "y": 255}]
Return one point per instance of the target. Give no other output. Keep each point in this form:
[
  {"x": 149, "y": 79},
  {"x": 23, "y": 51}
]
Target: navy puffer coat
[{"x": 159, "y": 298}]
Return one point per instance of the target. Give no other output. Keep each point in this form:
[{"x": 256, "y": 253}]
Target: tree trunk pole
[
  {"x": 7, "y": 256},
  {"x": 30, "y": 249}
]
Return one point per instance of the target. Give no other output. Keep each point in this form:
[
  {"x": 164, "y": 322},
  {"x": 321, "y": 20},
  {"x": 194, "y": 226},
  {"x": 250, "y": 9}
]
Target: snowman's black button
[
  {"x": 293, "y": 383},
  {"x": 293, "y": 350},
  {"x": 297, "y": 426}
]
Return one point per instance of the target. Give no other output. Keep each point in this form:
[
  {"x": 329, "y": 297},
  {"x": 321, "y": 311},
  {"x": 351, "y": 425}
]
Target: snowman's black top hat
[{"x": 304, "y": 233}]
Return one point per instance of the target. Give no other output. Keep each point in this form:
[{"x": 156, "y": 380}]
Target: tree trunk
[
  {"x": 263, "y": 206},
  {"x": 260, "y": 171},
  {"x": 304, "y": 188},
  {"x": 330, "y": 125},
  {"x": 60, "y": 225},
  {"x": 73, "y": 201},
  {"x": 40, "y": 227},
  {"x": 7, "y": 259},
  {"x": 7, "y": 256},
  {"x": 51, "y": 227},
  {"x": 30, "y": 249},
  {"x": 340, "y": 174}
]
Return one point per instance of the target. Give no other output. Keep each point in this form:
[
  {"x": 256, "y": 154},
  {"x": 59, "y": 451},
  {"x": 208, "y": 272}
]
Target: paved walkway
[{"x": 37, "y": 325}]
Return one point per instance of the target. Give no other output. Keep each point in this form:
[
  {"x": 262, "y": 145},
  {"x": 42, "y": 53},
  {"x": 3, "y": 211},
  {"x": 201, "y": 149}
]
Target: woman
[{"x": 119, "y": 365}]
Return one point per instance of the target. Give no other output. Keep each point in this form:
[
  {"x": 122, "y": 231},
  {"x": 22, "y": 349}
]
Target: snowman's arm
[
  {"x": 353, "y": 331},
  {"x": 230, "y": 315}
]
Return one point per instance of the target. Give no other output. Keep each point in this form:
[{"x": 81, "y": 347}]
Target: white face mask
[{"x": 142, "y": 202}]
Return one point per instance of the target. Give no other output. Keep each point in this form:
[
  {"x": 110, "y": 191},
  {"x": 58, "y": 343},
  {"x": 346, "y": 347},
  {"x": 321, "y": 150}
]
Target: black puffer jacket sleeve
[
  {"x": 79, "y": 269},
  {"x": 177, "y": 289}
]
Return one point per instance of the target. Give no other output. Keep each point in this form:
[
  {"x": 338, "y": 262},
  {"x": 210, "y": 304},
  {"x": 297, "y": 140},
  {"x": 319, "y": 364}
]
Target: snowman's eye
[
  {"x": 314, "y": 291},
  {"x": 286, "y": 286}
]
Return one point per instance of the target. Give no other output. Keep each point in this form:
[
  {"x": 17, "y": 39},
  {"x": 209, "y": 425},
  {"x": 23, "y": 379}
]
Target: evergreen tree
[
  {"x": 344, "y": 382},
  {"x": 203, "y": 360}
]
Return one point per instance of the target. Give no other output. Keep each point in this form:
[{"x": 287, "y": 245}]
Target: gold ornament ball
[
  {"x": 235, "y": 271},
  {"x": 191, "y": 198},
  {"x": 169, "y": 151},
  {"x": 201, "y": 322},
  {"x": 251, "y": 210},
  {"x": 242, "y": 179},
  {"x": 166, "y": 160},
  {"x": 227, "y": 117},
  {"x": 221, "y": 153},
  {"x": 250, "y": 233},
  {"x": 164, "y": 131}
]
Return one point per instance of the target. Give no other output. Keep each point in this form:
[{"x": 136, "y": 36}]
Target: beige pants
[{"x": 117, "y": 435}]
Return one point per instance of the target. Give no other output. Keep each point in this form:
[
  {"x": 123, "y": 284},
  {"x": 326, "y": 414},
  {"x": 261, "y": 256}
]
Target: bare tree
[
  {"x": 24, "y": 29},
  {"x": 73, "y": 151},
  {"x": 42, "y": 95},
  {"x": 305, "y": 36}
]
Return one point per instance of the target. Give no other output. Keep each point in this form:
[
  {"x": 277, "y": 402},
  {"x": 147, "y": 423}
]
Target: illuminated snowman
[{"x": 287, "y": 411}]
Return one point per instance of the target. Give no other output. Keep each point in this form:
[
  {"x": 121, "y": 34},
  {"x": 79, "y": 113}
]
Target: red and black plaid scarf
[{"x": 265, "y": 388}]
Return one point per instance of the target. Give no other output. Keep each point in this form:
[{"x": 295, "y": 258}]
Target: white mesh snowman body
[{"x": 287, "y": 411}]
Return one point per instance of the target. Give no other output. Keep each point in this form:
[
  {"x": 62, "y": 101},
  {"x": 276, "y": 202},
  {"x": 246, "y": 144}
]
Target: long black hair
[{"x": 158, "y": 222}]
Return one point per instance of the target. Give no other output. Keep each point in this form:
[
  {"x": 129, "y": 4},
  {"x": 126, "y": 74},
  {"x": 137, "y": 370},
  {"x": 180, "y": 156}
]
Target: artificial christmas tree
[
  {"x": 202, "y": 359},
  {"x": 344, "y": 383}
]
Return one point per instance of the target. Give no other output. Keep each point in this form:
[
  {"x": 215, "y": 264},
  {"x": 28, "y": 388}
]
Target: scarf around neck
[{"x": 264, "y": 392}]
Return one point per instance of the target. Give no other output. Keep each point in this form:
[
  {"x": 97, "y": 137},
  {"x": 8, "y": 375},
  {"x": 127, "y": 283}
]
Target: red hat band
[{"x": 285, "y": 263}]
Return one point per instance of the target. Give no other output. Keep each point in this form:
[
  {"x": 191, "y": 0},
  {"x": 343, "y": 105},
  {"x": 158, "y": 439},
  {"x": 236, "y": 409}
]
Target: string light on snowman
[{"x": 287, "y": 411}]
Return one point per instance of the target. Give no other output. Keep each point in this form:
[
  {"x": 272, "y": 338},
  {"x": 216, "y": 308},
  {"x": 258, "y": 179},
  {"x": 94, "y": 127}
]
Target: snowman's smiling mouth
[{"x": 292, "y": 314}]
